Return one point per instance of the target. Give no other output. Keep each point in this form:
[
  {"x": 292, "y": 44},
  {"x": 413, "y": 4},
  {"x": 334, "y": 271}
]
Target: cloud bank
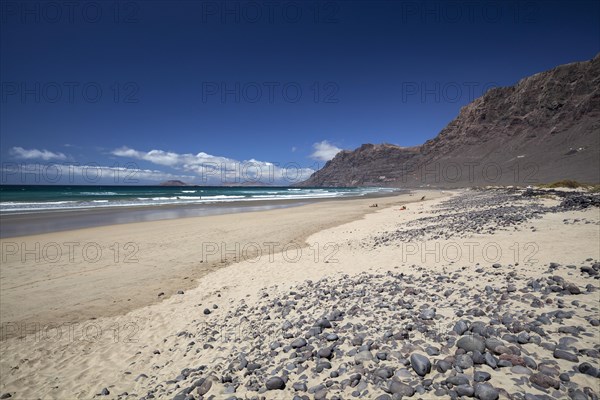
[{"x": 221, "y": 170}]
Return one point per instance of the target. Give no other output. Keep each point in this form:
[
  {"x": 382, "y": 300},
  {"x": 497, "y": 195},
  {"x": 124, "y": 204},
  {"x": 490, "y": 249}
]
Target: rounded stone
[
  {"x": 401, "y": 388},
  {"x": 298, "y": 343},
  {"x": 465, "y": 390},
  {"x": 481, "y": 376},
  {"x": 464, "y": 361},
  {"x": 471, "y": 343},
  {"x": 363, "y": 356},
  {"x": 420, "y": 364},
  {"x": 485, "y": 391},
  {"x": 275, "y": 383}
]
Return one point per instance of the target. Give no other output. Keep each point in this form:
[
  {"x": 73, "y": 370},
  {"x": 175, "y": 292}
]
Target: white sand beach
[{"x": 72, "y": 329}]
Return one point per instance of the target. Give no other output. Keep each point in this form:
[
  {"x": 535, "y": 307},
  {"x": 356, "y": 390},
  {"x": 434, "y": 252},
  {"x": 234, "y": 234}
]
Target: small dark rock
[
  {"x": 544, "y": 381},
  {"x": 481, "y": 376},
  {"x": 589, "y": 369},
  {"x": 275, "y": 383},
  {"x": 485, "y": 391},
  {"x": 565, "y": 355},
  {"x": 420, "y": 364},
  {"x": 298, "y": 343},
  {"x": 471, "y": 343},
  {"x": 401, "y": 388}
]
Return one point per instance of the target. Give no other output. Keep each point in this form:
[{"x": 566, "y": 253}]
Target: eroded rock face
[
  {"x": 369, "y": 163},
  {"x": 543, "y": 129}
]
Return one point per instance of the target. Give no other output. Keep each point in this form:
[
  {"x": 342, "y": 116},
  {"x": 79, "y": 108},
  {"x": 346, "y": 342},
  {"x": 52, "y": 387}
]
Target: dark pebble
[
  {"x": 544, "y": 381},
  {"x": 420, "y": 364},
  {"x": 565, "y": 355},
  {"x": 275, "y": 383},
  {"x": 481, "y": 376},
  {"x": 485, "y": 391}
]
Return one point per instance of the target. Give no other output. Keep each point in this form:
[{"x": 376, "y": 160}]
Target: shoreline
[
  {"x": 113, "y": 269},
  {"x": 386, "y": 317},
  {"x": 21, "y": 224}
]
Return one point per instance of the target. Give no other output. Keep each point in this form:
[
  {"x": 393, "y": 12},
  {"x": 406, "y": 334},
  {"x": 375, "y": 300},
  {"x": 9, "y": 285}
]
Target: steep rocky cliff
[{"x": 545, "y": 128}]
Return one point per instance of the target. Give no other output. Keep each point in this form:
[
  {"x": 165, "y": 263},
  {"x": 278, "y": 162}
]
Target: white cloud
[
  {"x": 168, "y": 158},
  {"x": 74, "y": 173},
  {"x": 154, "y": 156},
  {"x": 324, "y": 151},
  {"x": 35, "y": 154},
  {"x": 294, "y": 149},
  {"x": 216, "y": 169}
]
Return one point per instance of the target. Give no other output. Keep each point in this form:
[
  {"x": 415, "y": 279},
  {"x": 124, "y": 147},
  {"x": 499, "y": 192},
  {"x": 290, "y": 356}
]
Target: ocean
[{"x": 22, "y": 199}]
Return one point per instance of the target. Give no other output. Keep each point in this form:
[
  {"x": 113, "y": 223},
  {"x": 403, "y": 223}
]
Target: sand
[
  {"x": 131, "y": 322},
  {"x": 77, "y": 275}
]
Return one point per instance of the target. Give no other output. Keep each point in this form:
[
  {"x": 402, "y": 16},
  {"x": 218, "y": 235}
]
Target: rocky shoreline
[
  {"x": 397, "y": 335},
  {"x": 423, "y": 333},
  {"x": 375, "y": 323},
  {"x": 485, "y": 212}
]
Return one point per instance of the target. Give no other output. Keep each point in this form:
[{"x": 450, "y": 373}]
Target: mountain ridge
[{"x": 544, "y": 128}]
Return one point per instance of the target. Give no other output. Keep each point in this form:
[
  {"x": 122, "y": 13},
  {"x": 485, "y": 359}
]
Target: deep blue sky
[{"x": 386, "y": 71}]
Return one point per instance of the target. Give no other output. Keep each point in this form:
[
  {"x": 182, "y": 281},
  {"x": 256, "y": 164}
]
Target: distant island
[{"x": 173, "y": 183}]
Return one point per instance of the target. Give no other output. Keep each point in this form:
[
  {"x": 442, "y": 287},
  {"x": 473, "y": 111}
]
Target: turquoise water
[{"x": 31, "y": 198}]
